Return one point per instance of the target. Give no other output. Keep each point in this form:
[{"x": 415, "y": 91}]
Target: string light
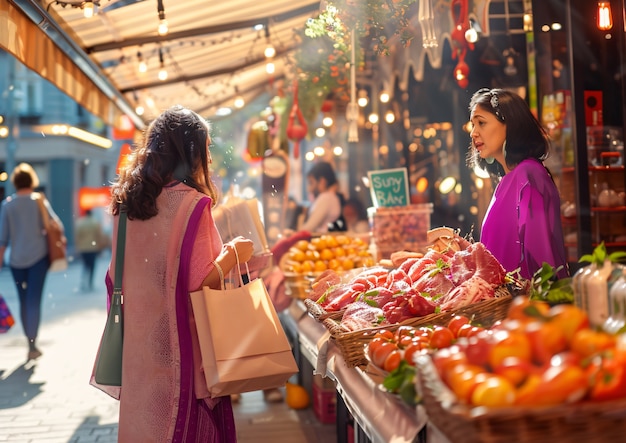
[
  {"x": 163, "y": 71},
  {"x": 269, "y": 52},
  {"x": 605, "y": 18},
  {"x": 239, "y": 101},
  {"x": 88, "y": 9},
  {"x": 143, "y": 66},
  {"x": 163, "y": 28}
]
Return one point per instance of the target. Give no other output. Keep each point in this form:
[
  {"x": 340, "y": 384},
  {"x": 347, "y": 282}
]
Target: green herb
[
  {"x": 600, "y": 255},
  {"x": 546, "y": 286},
  {"x": 401, "y": 381}
]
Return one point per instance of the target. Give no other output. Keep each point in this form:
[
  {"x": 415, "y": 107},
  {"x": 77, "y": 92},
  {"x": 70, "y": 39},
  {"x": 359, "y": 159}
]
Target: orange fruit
[{"x": 493, "y": 392}]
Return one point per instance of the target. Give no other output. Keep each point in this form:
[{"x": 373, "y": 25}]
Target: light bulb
[
  {"x": 605, "y": 19},
  {"x": 270, "y": 68},
  {"x": 384, "y": 97},
  {"x": 270, "y": 51},
  {"x": 143, "y": 66},
  {"x": 163, "y": 74},
  {"x": 163, "y": 28},
  {"x": 239, "y": 102},
  {"x": 88, "y": 9}
]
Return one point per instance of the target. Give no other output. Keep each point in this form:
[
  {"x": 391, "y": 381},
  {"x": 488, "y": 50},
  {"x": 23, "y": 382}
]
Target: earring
[
  {"x": 490, "y": 160},
  {"x": 504, "y": 149}
]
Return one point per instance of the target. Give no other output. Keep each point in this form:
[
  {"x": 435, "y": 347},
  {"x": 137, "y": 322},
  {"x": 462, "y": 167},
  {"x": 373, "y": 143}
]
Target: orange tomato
[
  {"x": 410, "y": 351},
  {"x": 386, "y": 334},
  {"x": 514, "y": 370},
  {"x": 392, "y": 361},
  {"x": 509, "y": 344},
  {"x": 561, "y": 384},
  {"x": 569, "y": 318},
  {"x": 463, "y": 378},
  {"x": 447, "y": 358},
  {"x": 524, "y": 309},
  {"x": 494, "y": 391},
  {"x": 587, "y": 342},
  {"x": 380, "y": 353},
  {"x": 546, "y": 339},
  {"x": 528, "y": 392}
]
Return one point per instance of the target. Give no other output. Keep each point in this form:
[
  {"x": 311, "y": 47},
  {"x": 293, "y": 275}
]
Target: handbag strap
[
  {"x": 119, "y": 253},
  {"x": 42, "y": 208}
]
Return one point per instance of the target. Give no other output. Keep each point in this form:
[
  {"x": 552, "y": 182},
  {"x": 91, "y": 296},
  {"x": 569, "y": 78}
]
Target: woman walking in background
[{"x": 22, "y": 228}]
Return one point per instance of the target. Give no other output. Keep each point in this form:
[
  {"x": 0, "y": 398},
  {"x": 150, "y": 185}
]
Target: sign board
[{"x": 389, "y": 187}]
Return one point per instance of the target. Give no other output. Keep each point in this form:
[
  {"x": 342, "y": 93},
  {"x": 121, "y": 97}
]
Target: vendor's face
[
  {"x": 314, "y": 186},
  {"x": 488, "y": 134}
]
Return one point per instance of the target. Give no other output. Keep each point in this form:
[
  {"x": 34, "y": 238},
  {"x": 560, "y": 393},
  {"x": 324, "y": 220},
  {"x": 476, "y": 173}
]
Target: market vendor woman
[{"x": 522, "y": 226}]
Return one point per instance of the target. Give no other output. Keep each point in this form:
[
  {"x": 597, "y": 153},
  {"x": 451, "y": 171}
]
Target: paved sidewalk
[{"x": 50, "y": 400}]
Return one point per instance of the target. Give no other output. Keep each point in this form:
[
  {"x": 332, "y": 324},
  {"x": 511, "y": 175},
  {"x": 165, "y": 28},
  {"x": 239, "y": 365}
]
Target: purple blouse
[{"x": 522, "y": 226}]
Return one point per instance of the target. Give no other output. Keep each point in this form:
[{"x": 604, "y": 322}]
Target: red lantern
[
  {"x": 296, "y": 129},
  {"x": 327, "y": 105}
]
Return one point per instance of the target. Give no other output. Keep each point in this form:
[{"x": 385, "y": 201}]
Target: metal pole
[{"x": 12, "y": 123}]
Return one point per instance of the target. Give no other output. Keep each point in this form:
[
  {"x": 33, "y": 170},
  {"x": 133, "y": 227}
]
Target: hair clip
[{"x": 495, "y": 105}]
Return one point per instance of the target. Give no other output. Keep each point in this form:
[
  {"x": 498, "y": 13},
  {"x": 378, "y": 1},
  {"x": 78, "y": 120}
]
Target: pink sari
[{"x": 164, "y": 398}]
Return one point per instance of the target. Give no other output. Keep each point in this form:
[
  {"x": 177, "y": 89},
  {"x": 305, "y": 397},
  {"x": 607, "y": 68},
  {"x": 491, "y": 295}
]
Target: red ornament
[
  {"x": 327, "y": 105},
  {"x": 296, "y": 129}
]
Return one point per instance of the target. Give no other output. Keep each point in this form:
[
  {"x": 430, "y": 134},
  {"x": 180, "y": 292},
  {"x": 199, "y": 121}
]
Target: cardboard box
[{"x": 325, "y": 403}]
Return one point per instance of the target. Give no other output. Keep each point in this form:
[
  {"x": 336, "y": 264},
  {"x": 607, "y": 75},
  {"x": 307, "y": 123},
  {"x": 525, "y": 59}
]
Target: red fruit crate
[{"x": 324, "y": 404}]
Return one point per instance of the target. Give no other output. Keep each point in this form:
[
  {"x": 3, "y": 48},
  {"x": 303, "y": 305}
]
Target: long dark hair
[
  {"x": 174, "y": 148},
  {"x": 525, "y": 137}
]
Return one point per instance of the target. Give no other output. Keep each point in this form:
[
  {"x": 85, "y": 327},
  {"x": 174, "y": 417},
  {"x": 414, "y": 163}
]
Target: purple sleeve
[{"x": 537, "y": 232}]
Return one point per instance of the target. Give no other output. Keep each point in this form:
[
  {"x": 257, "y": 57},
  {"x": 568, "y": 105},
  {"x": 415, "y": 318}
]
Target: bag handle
[
  {"x": 242, "y": 280},
  {"x": 42, "y": 208},
  {"x": 119, "y": 259}
]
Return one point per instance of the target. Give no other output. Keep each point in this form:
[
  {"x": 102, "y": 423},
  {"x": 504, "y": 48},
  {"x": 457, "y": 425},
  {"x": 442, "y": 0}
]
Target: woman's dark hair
[
  {"x": 525, "y": 137},
  {"x": 323, "y": 170},
  {"x": 174, "y": 148},
  {"x": 24, "y": 177}
]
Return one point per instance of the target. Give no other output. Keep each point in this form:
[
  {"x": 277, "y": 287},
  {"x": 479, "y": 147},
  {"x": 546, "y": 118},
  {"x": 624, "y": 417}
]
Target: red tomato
[
  {"x": 380, "y": 354},
  {"x": 608, "y": 377},
  {"x": 405, "y": 331},
  {"x": 509, "y": 344},
  {"x": 384, "y": 333},
  {"x": 392, "y": 361},
  {"x": 463, "y": 330},
  {"x": 442, "y": 337},
  {"x": 410, "y": 352},
  {"x": 546, "y": 339},
  {"x": 561, "y": 384},
  {"x": 456, "y": 322}
]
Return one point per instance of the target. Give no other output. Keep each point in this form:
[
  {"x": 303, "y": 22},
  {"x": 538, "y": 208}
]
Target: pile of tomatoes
[
  {"x": 388, "y": 349},
  {"x": 538, "y": 356}
]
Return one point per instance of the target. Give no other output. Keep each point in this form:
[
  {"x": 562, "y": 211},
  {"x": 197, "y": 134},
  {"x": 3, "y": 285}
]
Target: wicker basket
[
  {"x": 351, "y": 343},
  {"x": 587, "y": 422},
  {"x": 319, "y": 313}
]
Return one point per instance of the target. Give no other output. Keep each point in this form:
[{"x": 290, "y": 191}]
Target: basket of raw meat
[{"x": 427, "y": 290}]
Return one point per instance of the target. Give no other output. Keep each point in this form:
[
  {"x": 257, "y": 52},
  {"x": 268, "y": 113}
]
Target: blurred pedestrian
[
  {"x": 90, "y": 240},
  {"x": 22, "y": 228},
  {"x": 325, "y": 210},
  {"x": 172, "y": 248}
]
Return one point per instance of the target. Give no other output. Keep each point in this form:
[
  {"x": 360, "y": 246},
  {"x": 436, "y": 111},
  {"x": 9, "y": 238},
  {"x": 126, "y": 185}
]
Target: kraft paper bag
[
  {"x": 243, "y": 345},
  {"x": 241, "y": 217}
]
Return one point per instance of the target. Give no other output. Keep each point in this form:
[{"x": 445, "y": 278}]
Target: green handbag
[{"x": 108, "y": 370}]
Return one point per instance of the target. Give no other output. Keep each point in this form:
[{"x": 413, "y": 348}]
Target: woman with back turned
[{"x": 172, "y": 248}]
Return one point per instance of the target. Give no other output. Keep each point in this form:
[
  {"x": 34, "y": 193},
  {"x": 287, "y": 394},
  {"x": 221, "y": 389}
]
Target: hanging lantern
[
  {"x": 605, "y": 18},
  {"x": 296, "y": 129},
  {"x": 258, "y": 141}
]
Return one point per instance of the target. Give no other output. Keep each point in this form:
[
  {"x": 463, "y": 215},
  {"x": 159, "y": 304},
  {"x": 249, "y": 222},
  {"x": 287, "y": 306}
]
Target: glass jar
[
  {"x": 591, "y": 290},
  {"x": 617, "y": 305}
]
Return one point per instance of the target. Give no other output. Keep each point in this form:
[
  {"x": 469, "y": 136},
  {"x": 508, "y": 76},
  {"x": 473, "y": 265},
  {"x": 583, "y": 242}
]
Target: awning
[
  {"x": 213, "y": 53},
  {"x": 37, "y": 49}
]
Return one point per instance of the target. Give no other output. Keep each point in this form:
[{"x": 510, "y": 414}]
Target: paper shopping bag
[
  {"x": 243, "y": 345},
  {"x": 241, "y": 217}
]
